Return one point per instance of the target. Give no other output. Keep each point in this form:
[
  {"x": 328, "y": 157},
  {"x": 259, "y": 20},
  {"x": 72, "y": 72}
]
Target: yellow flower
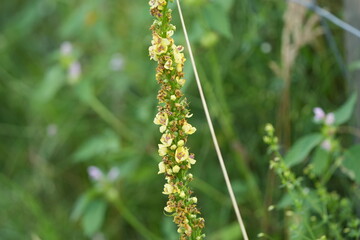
[
  {"x": 179, "y": 67},
  {"x": 162, "y": 167},
  {"x": 168, "y": 189},
  {"x": 152, "y": 53},
  {"x": 182, "y": 194},
  {"x": 192, "y": 161},
  {"x": 162, "y": 150},
  {"x": 157, "y": 4},
  {"x": 188, "y": 129},
  {"x": 166, "y": 139},
  {"x": 180, "y": 143},
  {"x": 161, "y": 119},
  {"x": 168, "y": 209},
  {"x": 153, "y": 4},
  {"x": 160, "y": 44},
  {"x": 168, "y": 64},
  {"x": 162, "y": 129},
  {"x": 179, "y": 57},
  {"x": 176, "y": 169},
  {"x": 170, "y": 33},
  {"x": 180, "y": 81},
  {"x": 181, "y": 154},
  {"x": 169, "y": 171}
]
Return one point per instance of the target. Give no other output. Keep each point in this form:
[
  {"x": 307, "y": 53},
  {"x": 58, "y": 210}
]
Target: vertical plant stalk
[
  {"x": 212, "y": 131},
  {"x": 132, "y": 220},
  {"x": 172, "y": 116},
  {"x": 299, "y": 31}
]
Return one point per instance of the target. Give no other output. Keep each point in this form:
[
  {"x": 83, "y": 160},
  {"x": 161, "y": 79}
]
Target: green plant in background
[
  {"x": 91, "y": 206},
  {"x": 172, "y": 117},
  {"x": 315, "y": 208}
]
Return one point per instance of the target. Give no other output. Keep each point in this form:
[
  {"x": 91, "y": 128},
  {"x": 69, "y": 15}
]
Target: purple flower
[
  {"x": 319, "y": 114},
  {"x": 74, "y": 71},
  {"x": 113, "y": 174},
  {"x": 66, "y": 48},
  {"x": 330, "y": 119},
  {"x": 95, "y": 173},
  {"x": 326, "y": 145}
]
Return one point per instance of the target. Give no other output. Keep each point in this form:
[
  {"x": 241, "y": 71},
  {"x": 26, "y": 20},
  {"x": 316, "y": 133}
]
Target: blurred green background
[{"x": 77, "y": 89}]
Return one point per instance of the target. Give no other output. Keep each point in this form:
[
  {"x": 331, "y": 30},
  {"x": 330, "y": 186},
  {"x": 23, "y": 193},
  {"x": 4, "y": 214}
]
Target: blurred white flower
[
  {"x": 266, "y": 47},
  {"x": 95, "y": 173},
  {"x": 326, "y": 145},
  {"x": 66, "y": 48},
  {"x": 51, "y": 130},
  {"x": 74, "y": 72},
  {"x": 98, "y": 236},
  {"x": 113, "y": 174},
  {"x": 330, "y": 119},
  {"x": 319, "y": 114},
  {"x": 117, "y": 62}
]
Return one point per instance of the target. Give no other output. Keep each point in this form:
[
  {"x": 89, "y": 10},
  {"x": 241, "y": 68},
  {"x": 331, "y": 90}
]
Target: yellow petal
[
  {"x": 181, "y": 154},
  {"x": 168, "y": 189},
  {"x": 161, "y": 167},
  {"x": 162, "y": 150},
  {"x": 176, "y": 169}
]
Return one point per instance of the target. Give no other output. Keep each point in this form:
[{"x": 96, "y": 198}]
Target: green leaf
[
  {"x": 225, "y": 4},
  {"x": 231, "y": 232},
  {"x": 106, "y": 143},
  {"x": 284, "y": 202},
  {"x": 344, "y": 113},
  {"x": 53, "y": 81},
  {"x": 81, "y": 204},
  {"x": 218, "y": 20},
  {"x": 302, "y": 148},
  {"x": 352, "y": 162},
  {"x": 94, "y": 217},
  {"x": 84, "y": 91},
  {"x": 320, "y": 160}
]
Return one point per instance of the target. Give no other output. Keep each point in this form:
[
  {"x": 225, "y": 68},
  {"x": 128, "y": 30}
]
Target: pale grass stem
[{"x": 212, "y": 131}]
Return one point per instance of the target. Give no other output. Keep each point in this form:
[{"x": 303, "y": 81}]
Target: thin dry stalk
[{"x": 299, "y": 31}]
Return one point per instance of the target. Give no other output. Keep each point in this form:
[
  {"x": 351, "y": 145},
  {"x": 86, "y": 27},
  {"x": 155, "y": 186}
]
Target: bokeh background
[{"x": 77, "y": 89}]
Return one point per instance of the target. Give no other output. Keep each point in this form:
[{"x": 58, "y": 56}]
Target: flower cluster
[
  {"x": 329, "y": 129},
  {"x": 69, "y": 60},
  {"x": 320, "y": 116},
  {"x": 172, "y": 117}
]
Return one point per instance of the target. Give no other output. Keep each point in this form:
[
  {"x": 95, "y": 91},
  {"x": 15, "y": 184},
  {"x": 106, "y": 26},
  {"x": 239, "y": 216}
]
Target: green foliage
[
  {"x": 352, "y": 162},
  {"x": 320, "y": 161},
  {"x": 217, "y": 17},
  {"x": 344, "y": 113},
  {"x": 93, "y": 217},
  {"x": 98, "y": 146},
  {"x": 302, "y": 148},
  {"x": 316, "y": 210}
]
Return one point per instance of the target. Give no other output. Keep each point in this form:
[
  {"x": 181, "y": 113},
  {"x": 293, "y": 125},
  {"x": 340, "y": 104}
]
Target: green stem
[
  {"x": 108, "y": 117},
  {"x": 132, "y": 220},
  {"x": 329, "y": 173}
]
